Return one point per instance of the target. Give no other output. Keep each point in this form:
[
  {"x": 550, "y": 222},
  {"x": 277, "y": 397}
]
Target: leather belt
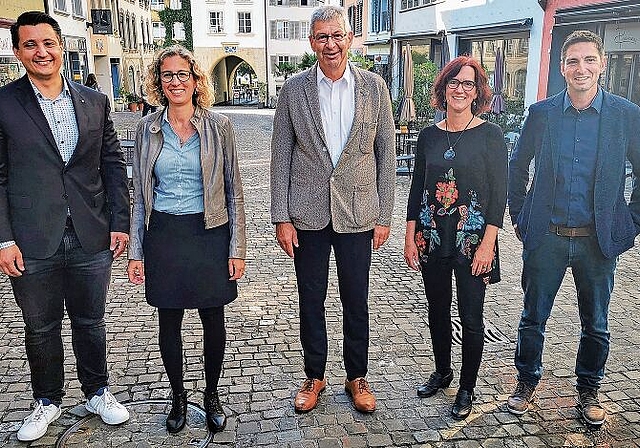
[{"x": 571, "y": 231}]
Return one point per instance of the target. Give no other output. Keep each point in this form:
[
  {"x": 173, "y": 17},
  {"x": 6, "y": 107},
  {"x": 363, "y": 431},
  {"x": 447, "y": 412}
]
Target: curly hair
[
  {"x": 203, "y": 93},
  {"x": 481, "y": 103}
]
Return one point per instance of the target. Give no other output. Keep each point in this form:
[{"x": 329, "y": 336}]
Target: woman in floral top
[{"x": 456, "y": 205}]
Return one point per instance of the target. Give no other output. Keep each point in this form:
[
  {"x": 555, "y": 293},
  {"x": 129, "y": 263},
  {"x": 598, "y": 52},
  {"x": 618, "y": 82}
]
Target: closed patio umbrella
[
  {"x": 445, "y": 57},
  {"x": 408, "y": 108},
  {"x": 497, "y": 102}
]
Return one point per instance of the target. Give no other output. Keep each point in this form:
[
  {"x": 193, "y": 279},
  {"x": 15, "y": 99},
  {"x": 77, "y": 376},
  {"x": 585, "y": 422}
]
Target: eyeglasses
[
  {"x": 324, "y": 38},
  {"x": 182, "y": 75},
  {"x": 467, "y": 85}
]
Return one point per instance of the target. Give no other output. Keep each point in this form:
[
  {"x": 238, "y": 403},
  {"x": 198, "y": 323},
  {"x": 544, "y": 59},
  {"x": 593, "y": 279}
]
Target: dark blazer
[
  {"x": 616, "y": 222},
  {"x": 36, "y": 187}
]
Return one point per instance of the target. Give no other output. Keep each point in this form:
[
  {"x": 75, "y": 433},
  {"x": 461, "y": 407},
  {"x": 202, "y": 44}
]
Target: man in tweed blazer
[{"x": 332, "y": 185}]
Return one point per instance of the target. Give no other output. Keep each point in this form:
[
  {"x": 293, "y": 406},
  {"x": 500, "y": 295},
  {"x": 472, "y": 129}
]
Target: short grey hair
[{"x": 329, "y": 14}]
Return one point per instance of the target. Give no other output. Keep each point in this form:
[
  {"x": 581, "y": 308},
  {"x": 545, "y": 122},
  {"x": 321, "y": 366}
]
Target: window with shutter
[{"x": 295, "y": 30}]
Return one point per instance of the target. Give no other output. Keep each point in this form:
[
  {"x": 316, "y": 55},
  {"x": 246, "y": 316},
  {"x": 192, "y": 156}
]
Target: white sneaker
[
  {"x": 35, "y": 424},
  {"x": 107, "y": 407}
]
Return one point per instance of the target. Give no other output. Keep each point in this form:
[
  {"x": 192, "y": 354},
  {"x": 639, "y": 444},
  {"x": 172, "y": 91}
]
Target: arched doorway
[{"x": 234, "y": 81}]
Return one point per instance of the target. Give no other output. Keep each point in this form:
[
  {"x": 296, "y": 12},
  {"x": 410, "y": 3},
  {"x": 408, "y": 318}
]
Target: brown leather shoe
[
  {"x": 361, "y": 394},
  {"x": 307, "y": 397}
]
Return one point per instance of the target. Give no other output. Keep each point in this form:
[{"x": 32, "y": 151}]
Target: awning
[
  {"x": 512, "y": 26},
  {"x": 621, "y": 10},
  {"x": 424, "y": 34}
]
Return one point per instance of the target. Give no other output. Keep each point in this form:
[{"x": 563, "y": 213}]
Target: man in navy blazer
[
  {"x": 64, "y": 217},
  {"x": 573, "y": 214}
]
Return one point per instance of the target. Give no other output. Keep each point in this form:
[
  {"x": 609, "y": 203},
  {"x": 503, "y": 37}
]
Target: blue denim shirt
[
  {"x": 178, "y": 172},
  {"x": 573, "y": 204}
]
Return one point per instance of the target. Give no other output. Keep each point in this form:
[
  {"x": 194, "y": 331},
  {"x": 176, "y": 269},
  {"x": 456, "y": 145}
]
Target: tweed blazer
[
  {"x": 37, "y": 187},
  {"x": 306, "y": 189},
  {"x": 616, "y": 222}
]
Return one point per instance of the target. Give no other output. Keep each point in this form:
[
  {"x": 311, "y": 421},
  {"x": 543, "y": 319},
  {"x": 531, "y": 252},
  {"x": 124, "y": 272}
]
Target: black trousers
[
  {"x": 352, "y": 252},
  {"x": 470, "y": 290},
  {"x": 170, "y": 342}
]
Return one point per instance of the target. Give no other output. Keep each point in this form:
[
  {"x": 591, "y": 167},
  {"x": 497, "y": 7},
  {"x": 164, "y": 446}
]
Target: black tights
[
  {"x": 170, "y": 341},
  {"x": 470, "y": 294}
]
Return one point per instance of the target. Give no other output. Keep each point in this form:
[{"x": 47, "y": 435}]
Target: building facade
[
  {"x": 378, "y": 23},
  {"x": 478, "y": 28},
  {"x": 72, "y": 17},
  {"x": 288, "y": 26},
  {"x": 10, "y": 68},
  {"x": 121, "y": 45},
  {"x": 227, "y": 33},
  {"x": 617, "y": 22}
]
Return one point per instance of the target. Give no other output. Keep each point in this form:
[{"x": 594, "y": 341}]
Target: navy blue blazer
[
  {"x": 530, "y": 206},
  {"x": 37, "y": 187}
]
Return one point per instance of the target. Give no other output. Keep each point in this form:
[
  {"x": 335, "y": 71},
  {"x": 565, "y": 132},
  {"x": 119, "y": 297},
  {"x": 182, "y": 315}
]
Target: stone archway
[
  {"x": 222, "y": 78},
  {"x": 222, "y": 64}
]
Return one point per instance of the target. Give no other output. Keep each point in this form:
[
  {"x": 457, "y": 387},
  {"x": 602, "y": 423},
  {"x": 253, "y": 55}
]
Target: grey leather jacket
[{"x": 223, "y": 197}]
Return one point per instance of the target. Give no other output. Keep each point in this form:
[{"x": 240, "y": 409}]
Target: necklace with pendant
[{"x": 450, "y": 153}]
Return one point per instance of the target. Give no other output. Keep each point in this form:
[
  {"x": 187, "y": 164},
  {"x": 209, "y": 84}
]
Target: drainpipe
[
  {"x": 266, "y": 51},
  {"x": 46, "y": 6}
]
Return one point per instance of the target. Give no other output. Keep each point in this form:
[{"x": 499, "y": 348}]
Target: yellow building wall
[{"x": 11, "y": 9}]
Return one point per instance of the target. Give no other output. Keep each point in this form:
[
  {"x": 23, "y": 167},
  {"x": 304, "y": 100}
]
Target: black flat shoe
[
  {"x": 216, "y": 420},
  {"x": 463, "y": 404},
  {"x": 436, "y": 381},
  {"x": 177, "y": 417}
]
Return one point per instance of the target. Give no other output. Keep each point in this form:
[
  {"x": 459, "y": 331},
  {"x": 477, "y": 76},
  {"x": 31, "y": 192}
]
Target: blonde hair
[{"x": 203, "y": 93}]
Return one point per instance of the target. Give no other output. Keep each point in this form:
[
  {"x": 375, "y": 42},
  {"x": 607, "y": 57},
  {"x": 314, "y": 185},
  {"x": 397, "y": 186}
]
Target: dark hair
[
  {"x": 582, "y": 36},
  {"x": 33, "y": 18},
  {"x": 91, "y": 80},
  {"x": 482, "y": 102}
]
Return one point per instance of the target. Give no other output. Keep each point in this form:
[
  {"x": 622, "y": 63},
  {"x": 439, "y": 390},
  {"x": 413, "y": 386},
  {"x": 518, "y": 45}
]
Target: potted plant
[{"x": 132, "y": 101}]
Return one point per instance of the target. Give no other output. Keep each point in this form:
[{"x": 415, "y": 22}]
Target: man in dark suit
[
  {"x": 574, "y": 214},
  {"x": 332, "y": 185},
  {"x": 64, "y": 217}
]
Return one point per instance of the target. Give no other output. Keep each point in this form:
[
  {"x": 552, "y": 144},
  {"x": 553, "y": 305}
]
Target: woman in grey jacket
[{"x": 188, "y": 225}]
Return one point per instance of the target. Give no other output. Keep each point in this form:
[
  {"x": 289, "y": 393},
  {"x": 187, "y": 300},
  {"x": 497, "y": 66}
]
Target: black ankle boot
[
  {"x": 463, "y": 404},
  {"x": 178, "y": 415},
  {"x": 216, "y": 420}
]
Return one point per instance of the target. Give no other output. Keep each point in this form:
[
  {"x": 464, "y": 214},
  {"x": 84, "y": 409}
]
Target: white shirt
[{"x": 337, "y": 107}]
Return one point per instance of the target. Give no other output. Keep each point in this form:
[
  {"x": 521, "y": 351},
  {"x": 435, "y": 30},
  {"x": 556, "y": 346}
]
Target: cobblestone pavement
[{"x": 263, "y": 365}]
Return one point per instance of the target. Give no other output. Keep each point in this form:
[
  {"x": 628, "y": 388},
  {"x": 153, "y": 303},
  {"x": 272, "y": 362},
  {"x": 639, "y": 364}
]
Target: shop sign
[
  {"x": 622, "y": 37},
  {"x": 99, "y": 45},
  {"x": 230, "y": 48},
  {"x": 6, "y": 47}
]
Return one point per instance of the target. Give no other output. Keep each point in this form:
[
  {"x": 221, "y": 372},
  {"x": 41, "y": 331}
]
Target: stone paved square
[{"x": 263, "y": 364}]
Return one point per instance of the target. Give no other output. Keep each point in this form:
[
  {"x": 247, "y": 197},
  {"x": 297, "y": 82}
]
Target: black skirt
[{"x": 185, "y": 265}]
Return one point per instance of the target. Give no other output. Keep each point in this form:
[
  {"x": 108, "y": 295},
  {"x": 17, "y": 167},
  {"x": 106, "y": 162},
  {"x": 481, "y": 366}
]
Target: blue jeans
[
  {"x": 542, "y": 274},
  {"x": 79, "y": 281}
]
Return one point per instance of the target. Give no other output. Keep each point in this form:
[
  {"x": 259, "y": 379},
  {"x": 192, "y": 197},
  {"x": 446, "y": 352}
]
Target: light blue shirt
[
  {"x": 178, "y": 174},
  {"x": 61, "y": 117}
]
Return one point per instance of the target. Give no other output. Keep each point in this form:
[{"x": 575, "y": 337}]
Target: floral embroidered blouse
[{"x": 454, "y": 200}]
